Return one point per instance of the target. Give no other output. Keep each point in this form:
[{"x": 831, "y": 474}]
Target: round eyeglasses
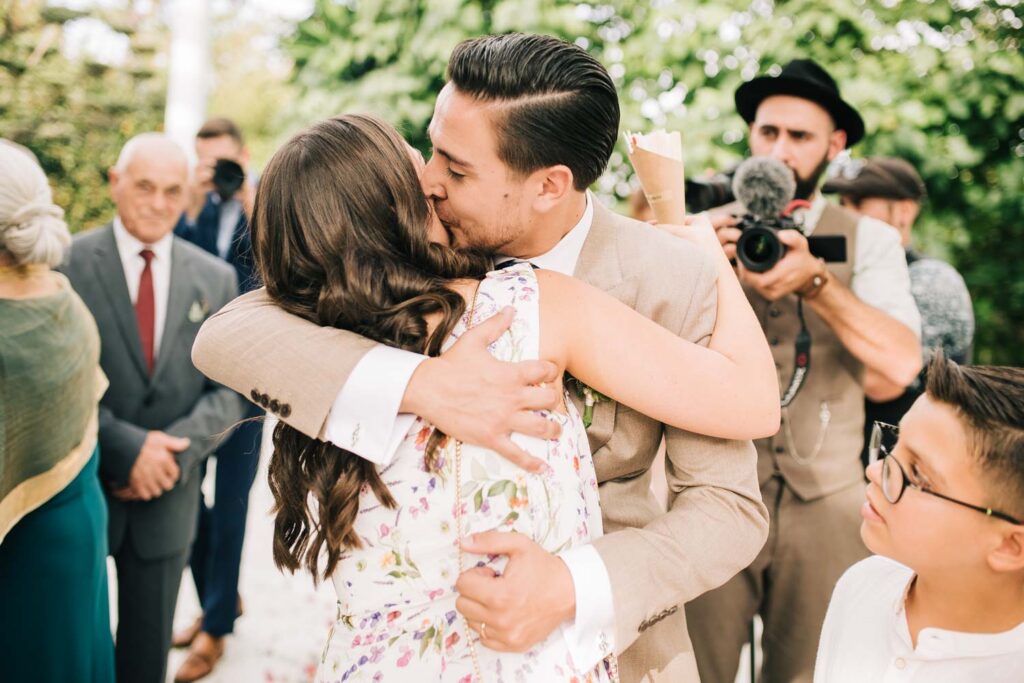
[{"x": 895, "y": 479}]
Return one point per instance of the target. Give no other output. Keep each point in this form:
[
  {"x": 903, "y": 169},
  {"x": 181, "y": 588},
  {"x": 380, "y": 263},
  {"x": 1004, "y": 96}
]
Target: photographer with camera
[
  {"x": 222, "y": 196},
  {"x": 217, "y": 219},
  {"x": 839, "y": 316}
]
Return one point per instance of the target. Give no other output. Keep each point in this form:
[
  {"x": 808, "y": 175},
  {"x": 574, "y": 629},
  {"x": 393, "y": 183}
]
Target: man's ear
[
  {"x": 1008, "y": 556},
  {"x": 836, "y": 143},
  {"x": 113, "y": 176},
  {"x": 552, "y": 185},
  {"x": 905, "y": 213}
]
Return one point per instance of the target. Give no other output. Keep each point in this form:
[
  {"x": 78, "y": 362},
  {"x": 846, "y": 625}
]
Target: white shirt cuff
[
  {"x": 591, "y": 636},
  {"x": 364, "y": 418}
]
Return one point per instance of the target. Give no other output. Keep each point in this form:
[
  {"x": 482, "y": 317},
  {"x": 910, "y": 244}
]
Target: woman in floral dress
[{"x": 343, "y": 236}]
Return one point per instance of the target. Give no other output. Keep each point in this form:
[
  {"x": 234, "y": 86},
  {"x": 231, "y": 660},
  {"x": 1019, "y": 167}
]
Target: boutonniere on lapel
[
  {"x": 198, "y": 310},
  {"x": 590, "y": 397}
]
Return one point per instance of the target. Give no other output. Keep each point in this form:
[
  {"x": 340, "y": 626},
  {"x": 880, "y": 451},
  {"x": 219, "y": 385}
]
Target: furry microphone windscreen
[{"x": 765, "y": 186}]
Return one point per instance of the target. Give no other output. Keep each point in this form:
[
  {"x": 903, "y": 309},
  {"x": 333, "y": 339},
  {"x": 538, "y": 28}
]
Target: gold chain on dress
[
  {"x": 458, "y": 511},
  {"x": 613, "y": 668}
]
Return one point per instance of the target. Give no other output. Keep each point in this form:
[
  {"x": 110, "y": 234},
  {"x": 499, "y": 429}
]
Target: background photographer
[
  {"x": 222, "y": 196},
  {"x": 223, "y": 191},
  {"x": 891, "y": 190},
  {"x": 863, "y": 327}
]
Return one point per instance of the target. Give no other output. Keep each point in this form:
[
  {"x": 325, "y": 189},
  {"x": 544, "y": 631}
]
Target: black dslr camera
[
  {"x": 765, "y": 187},
  {"x": 228, "y": 177}
]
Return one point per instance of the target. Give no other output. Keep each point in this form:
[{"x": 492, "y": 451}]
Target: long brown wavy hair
[{"x": 339, "y": 234}]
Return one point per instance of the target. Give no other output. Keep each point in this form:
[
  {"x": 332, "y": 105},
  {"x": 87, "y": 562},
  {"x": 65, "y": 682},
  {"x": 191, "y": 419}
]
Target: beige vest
[{"x": 817, "y": 448}]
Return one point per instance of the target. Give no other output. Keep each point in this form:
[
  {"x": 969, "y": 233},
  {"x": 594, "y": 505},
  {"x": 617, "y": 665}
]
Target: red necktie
[{"x": 145, "y": 309}]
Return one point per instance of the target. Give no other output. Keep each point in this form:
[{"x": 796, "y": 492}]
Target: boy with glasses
[{"x": 943, "y": 599}]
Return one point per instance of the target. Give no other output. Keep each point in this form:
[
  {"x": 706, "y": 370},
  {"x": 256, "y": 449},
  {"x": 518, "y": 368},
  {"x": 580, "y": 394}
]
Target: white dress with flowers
[{"x": 396, "y": 596}]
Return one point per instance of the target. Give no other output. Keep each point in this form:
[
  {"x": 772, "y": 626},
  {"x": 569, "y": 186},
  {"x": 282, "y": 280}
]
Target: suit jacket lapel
[
  {"x": 182, "y": 294},
  {"x": 208, "y": 224},
  {"x": 600, "y": 263},
  {"x": 110, "y": 272}
]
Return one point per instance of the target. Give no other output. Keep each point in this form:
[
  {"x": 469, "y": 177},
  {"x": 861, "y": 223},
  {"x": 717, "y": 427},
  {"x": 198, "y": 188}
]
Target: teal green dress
[
  {"x": 55, "y": 619},
  {"x": 54, "y": 607}
]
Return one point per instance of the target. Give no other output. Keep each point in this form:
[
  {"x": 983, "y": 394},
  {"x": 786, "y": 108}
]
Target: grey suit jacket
[
  {"x": 177, "y": 399},
  {"x": 716, "y": 522}
]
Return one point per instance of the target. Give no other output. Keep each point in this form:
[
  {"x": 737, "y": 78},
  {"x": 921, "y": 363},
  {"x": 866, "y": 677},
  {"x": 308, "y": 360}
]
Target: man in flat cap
[
  {"x": 890, "y": 189},
  {"x": 863, "y": 327}
]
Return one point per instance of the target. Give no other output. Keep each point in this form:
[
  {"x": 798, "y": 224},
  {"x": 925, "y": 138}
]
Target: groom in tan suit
[{"x": 522, "y": 116}]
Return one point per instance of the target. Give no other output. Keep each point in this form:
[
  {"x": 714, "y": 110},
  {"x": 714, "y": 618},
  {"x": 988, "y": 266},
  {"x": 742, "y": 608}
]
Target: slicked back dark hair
[
  {"x": 990, "y": 402},
  {"x": 559, "y": 103}
]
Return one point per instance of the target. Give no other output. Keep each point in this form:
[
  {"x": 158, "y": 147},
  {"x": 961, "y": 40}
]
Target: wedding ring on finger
[{"x": 483, "y": 631}]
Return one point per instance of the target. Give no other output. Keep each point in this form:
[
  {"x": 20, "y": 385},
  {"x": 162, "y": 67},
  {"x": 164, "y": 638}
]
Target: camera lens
[
  {"x": 759, "y": 249},
  {"x": 228, "y": 177}
]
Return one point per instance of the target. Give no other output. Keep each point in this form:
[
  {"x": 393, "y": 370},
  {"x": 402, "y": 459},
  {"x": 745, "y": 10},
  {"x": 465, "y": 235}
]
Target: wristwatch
[{"x": 817, "y": 283}]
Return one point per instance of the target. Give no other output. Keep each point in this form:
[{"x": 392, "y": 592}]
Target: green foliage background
[
  {"x": 75, "y": 115},
  {"x": 940, "y": 83}
]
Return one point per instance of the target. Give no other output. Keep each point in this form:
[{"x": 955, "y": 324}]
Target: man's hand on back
[
  {"x": 473, "y": 397},
  {"x": 521, "y": 607}
]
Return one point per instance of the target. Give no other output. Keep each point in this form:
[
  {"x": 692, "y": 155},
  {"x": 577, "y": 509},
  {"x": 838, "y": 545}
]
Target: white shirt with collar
[
  {"x": 866, "y": 638},
  {"x": 129, "y": 249},
  {"x": 881, "y": 278},
  {"x": 365, "y": 420}
]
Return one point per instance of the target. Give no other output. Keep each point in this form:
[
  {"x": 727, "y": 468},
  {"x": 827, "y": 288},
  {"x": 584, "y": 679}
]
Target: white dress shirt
[
  {"x": 881, "y": 278},
  {"x": 866, "y": 637},
  {"x": 365, "y": 420},
  {"x": 129, "y": 249}
]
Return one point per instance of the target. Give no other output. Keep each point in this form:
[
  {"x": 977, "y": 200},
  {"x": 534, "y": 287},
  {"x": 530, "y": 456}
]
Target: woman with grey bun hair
[
  {"x": 32, "y": 227},
  {"x": 53, "y": 517}
]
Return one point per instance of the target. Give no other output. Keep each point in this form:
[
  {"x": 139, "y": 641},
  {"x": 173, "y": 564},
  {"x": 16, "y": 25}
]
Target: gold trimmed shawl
[{"x": 50, "y": 385}]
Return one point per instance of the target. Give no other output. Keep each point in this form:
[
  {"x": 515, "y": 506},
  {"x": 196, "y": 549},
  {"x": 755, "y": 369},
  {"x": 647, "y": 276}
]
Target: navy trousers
[{"x": 217, "y": 551}]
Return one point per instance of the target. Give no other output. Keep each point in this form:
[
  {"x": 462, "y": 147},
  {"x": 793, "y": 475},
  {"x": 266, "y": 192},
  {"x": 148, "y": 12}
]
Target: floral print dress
[{"x": 396, "y": 596}]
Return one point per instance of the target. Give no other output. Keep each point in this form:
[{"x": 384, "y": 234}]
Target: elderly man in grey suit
[
  {"x": 517, "y": 110},
  {"x": 149, "y": 292}
]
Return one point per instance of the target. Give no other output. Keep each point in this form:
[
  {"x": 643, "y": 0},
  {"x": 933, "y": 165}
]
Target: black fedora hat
[{"x": 802, "y": 78}]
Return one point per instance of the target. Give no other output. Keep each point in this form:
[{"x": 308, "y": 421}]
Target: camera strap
[{"x": 802, "y": 362}]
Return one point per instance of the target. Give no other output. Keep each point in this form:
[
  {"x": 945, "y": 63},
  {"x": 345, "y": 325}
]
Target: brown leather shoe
[
  {"x": 204, "y": 654},
  {"x": 185, "y": 636}
]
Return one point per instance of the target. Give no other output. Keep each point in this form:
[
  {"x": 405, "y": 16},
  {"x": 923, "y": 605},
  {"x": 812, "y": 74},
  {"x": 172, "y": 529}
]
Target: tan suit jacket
[{"x": 656, "y": 560}]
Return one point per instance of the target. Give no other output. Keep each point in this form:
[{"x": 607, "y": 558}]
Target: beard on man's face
[
  {"x": 459, "y": 238},
  {"x": 474, "y": 237},
  {"x": 805, "y": 187}
]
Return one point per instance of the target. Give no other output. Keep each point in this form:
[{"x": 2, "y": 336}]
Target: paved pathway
[{"x": 283, "y": 630}]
